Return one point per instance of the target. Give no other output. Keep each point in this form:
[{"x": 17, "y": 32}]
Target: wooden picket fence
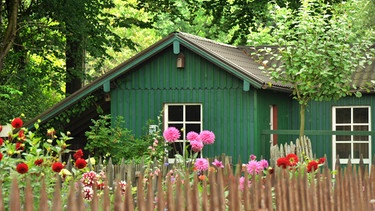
[
  {"x": 131, "y": 172},
  {"x": 302, "y": 148},
  {"x": 352, "y": 188}
]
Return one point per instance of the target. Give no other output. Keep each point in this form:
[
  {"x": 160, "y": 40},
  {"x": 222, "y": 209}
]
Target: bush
[{"x": 106, "y": 140}]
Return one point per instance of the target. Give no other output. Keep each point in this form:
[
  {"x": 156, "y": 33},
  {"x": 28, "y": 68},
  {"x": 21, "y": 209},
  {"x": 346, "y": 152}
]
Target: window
[
  {"x": 186, "y": 118},
  {"x": 355, "y": 118}
]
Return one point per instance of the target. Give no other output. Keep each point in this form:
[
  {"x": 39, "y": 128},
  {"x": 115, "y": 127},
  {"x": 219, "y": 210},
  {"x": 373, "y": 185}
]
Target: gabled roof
[
  {"x": 228, "y": 57},
  {"x": 232, "y": 58},
  {"x": 235, "y": 60}
]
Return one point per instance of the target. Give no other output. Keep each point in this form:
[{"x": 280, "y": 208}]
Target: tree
[
  {"x": 317, "y": 50},
  {"x": 220, "y": 20},
  {"x": 86, "y": 28},
  {"x": 10, "y": 9},
  {"x": 54, "y": 39}
]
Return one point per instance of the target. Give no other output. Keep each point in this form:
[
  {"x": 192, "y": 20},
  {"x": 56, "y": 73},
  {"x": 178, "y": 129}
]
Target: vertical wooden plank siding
[
  {"x": 319, "y": 117},
  {"x": 227, "y": 109},
  {"x": 283, "y": 102}
]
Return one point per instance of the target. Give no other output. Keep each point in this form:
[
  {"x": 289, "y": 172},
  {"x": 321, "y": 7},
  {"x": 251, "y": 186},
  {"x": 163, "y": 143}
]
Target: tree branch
[{"x": 10, "y": 33}]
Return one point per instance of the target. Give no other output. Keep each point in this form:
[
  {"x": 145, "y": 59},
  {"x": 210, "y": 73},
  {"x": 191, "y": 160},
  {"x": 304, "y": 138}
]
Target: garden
[{"x": 36, "y": 177}]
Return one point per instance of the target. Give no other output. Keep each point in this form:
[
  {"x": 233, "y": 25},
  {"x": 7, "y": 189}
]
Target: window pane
[
  {"x": 360, "y": 128},
  {"x": 193, "y": 127},
  {"x": 360, "y": 138},
  {"x": 360, "y": 115},
  {"x": 175, "y": 113},
  {"x": 343, "y": 138},
  {"x": 193, "y": 113},
  {"x": 359, "y": 149},
  {"x": 343, "y": 150},
  {"x": 343, "y": 115}
]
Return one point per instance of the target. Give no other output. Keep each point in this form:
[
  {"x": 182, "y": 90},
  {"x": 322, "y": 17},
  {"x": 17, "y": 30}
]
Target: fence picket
[
  {"x": 29, "y": 205},
  {"x": 302, "y": 149},
  {"x": 353, "y": 188}
]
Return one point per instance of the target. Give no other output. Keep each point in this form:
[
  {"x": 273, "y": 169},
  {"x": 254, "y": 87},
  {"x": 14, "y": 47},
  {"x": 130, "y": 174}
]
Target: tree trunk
[
  {"x": 74, "y": 64},
  {"x": 302, "y": 120},
  {"x": 10, "y": 33}
]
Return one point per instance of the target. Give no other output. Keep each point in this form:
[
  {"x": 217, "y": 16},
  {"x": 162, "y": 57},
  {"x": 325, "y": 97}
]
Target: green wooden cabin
[{"x": 199, "y": 84}]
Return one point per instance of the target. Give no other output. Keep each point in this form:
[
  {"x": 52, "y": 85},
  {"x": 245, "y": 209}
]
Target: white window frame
[
  {"x": 166, "y": 123},
  {"x": 352, "y": 141}
]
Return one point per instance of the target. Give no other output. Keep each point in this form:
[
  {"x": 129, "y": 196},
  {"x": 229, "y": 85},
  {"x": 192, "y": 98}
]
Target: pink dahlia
[
  {"x": 201, "y": 164},
  {"x": 253, "y": 167},
  {"x": 218, "y": 164},
  {"x": 196, "y": 145},
  {"x": 207, "y": 137},
  {"x": 191, "y": 136},
  {"x": 253, "y": 157},
  {"x": 171, "y": 134},
  {"x": 242, "y": 183},
  {"x": 263, "y": 163}
]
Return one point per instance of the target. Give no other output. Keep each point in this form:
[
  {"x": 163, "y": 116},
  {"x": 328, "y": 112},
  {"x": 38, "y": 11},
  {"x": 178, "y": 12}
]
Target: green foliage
[
  {"x": 23, "y": 146},
  {"x": 225, "y": 21},
  {"x": 7, "y": 92},
  {"x": 317, "y": 51},
  {"x": 36, "y": 65},
  {"x": 108, "y": 138}
]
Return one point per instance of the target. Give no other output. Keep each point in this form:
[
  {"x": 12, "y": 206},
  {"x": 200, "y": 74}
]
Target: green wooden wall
[
  {"x": 319, "y": 117},
  {"x": 283, "y": 102},
  {"x": 231, "y": 113}
]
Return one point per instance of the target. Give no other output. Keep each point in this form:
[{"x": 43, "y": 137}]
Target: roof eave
[{"x": 98, "y": 83}]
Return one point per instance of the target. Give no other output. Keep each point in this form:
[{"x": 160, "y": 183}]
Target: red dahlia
[
  {"x": 21, "y": 135},
  {"x": 321, "y": 160},
  {"x": 17, "y": 122},
  {"x": 312, "y": 165},
  {"x": 57, "y": 167},
  {"x": 19, "y": 146},
  {"x": 78, "y": 154},
  {"x": 1, "y": 156},
  {"x": 293, "y": 159},
  {"x": 81, "y": 163},
  {"x": 1, "y": 141},
  {"x": 22, "y": 168},
  {"x": 282, "y": 162},
  {"x": 38, "y": 162}
]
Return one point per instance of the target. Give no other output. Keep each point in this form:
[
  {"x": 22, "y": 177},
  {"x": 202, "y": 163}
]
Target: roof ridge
[{"x": 206, "y": 39}]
